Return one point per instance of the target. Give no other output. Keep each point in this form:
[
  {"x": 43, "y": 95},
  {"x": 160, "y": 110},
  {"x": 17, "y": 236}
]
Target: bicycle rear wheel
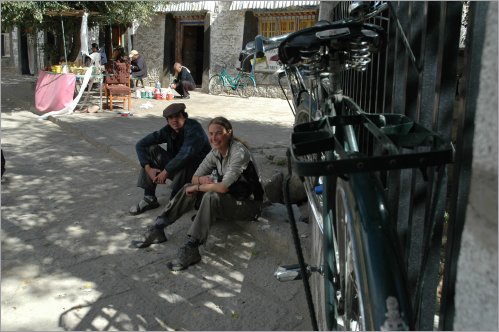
[
  {"x": 246, "y": 86},
  {"x": 355, "y": 315},
  {"x": 372, "y": 293},
  {"x": 216, "y": 85}
]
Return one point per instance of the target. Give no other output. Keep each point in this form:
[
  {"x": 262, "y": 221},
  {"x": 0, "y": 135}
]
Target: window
[
  {"x": 5, "y": 44},
  {"x": 268, "y": 27},
  {"x": 274, "y": 24}
]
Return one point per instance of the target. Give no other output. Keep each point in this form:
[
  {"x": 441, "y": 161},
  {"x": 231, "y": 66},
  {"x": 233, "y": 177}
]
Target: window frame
[{"x": 272, "y": 24}]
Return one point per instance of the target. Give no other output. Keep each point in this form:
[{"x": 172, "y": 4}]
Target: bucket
[{"x": 169, "y": 96}]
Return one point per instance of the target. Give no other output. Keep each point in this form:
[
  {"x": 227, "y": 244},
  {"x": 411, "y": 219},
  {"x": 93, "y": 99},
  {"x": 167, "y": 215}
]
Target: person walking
[
  {"x": 234, "y": 193},
  {"x": 186, "y": 146},
  {"x": 183, "y": 81},
  {"x": 139, "y": 67}
]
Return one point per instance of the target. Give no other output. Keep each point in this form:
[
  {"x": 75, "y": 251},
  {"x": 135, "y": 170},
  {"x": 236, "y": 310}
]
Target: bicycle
[
  {"x": 342, "y": 154},
  {"x": 244, "y": 84}
]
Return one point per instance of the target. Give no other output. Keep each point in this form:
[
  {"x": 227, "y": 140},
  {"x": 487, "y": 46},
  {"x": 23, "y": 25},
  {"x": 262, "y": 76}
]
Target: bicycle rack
[{"x": 393, "y": 133}]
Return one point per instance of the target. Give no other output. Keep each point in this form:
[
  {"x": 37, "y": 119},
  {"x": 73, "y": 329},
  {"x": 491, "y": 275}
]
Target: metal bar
[
  {"x": 442, "y": 123},
  {"x": 411, "y": 216},
  {"x": 461, "y": 172}
]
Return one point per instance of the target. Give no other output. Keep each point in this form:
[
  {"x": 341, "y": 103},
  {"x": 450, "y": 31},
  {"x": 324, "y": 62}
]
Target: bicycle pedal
[{"x": 288, "y": 273}]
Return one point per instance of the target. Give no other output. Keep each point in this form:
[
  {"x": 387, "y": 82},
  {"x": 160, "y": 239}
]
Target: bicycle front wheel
[
  {"x": 246, "y": 87},
  {"x": 216, "y": 85},
  {"x": 321, "y": 287}
]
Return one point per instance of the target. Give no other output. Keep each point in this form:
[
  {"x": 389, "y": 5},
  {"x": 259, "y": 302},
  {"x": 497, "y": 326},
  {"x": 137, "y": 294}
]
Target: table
[
  {"x": 93, "y": 78},
  {"x": 54, "y": 91}
]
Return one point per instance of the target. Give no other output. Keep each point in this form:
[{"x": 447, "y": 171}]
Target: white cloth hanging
[{"x": 84, "y": 34}]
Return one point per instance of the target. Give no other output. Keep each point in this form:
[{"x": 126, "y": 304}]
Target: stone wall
[
  {"x": 10, "y": 64},
  {"x": 476, "y": 297},
  {"x": 226, "y": 38},
  {"x": 149, "y": 41},
  {"x": 227, "y": 30}
]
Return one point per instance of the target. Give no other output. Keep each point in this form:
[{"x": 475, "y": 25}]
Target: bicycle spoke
[
  {"x": 246, "y": 87},
  {"x": 216, "y": 85}
]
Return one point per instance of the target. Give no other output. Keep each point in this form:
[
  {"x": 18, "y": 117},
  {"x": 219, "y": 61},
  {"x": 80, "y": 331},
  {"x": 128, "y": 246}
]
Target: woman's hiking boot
[
  {"x": 153, "y": 235},
  {"x": 186, "y": 257}
]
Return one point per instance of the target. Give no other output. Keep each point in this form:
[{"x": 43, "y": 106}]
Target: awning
[
  {"x": 191, "y": 6},
  {"x": 197, "y": 6},
  {"x": 242, "y": 5}
]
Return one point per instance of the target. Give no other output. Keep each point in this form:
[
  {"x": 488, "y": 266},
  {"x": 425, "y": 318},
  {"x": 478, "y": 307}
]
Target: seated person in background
[
  {"x": 102, "y": 53},
  {"x": 117, "y": 56},
  {"x": 139, "y": 68},
  {"x": 236, "y": 194},
  {"x": 183, "y": 82},
  {"x": 186, "y": 146}
]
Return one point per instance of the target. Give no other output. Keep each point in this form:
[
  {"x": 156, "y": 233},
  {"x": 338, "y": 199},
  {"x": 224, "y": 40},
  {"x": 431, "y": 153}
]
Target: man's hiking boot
[
  {"x": 151, "y": 236},
  {"x": 186, "y": 256}
]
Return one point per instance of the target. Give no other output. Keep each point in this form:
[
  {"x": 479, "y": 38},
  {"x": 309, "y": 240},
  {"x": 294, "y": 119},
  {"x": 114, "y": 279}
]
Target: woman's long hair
[{"x": 221, "y": 121}]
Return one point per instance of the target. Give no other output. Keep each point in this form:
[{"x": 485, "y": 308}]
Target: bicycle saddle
[{"x": 340, "y": 36}]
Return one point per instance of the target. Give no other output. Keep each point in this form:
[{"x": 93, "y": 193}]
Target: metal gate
[{"x": 419, "y": 75}]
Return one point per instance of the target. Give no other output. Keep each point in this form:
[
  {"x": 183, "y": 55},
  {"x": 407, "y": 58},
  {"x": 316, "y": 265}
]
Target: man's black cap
[{"x": 173, "y": 109}]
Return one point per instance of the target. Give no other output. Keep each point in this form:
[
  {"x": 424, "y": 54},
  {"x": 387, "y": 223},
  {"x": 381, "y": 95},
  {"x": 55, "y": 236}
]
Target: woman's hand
[{"x": 206, "y": 179}]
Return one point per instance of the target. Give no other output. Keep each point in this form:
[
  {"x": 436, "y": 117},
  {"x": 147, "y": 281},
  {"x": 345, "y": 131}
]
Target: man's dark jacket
[
  {"x": 184, "y": 75},
  {"x": 189, "y": 145},
  {"x": 139, "y": 67}
]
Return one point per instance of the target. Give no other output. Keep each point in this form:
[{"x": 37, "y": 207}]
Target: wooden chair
[{"x": 117, "y": 86}]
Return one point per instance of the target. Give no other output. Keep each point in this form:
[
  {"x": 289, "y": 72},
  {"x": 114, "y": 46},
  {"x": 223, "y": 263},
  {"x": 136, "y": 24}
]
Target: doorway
[{"x": 193, "y": 50}]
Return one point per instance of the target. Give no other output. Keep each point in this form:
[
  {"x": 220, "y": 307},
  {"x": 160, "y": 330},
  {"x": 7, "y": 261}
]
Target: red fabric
[
  {"x": 54, "y": 91},
  {"x": 116, "y": 89}
]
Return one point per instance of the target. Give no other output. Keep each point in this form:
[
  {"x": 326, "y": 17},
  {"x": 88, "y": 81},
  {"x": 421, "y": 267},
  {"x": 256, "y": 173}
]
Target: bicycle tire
[
  {"x": 369, "y": 272},
  {"x": 316, "y": 258},
  {"x": 215, "y": 85},
  {"x": 355, "y": 314},
  {"x": 246, "y": 86}
]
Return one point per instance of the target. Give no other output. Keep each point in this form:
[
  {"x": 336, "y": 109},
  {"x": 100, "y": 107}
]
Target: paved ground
[
  {"x": 66, "y": 264},
  {"x": 65, "y": 230}
]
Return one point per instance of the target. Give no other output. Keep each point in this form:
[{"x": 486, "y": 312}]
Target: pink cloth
[{"x": 54, "y": 91}]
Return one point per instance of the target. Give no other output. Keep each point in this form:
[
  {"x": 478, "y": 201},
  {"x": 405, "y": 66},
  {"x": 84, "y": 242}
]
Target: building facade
[
  {"x": 202, "y": 35},
  {"x": 207, "y": 35}
]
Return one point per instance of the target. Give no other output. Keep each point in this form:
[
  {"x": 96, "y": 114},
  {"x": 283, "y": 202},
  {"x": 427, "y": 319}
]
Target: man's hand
[
  {"x": 173, "y": 85},
  {"x": 152, "y": 172},
  {"x": 190, "y": 190},
  {"x": 161, "y": 177}
]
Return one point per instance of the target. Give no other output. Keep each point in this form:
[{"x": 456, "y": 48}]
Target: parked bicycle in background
[{"x": 243, "y": 84}]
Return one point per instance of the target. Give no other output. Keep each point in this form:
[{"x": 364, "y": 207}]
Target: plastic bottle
[
  {"x": 214, "y": 176},
  {"x": 319, "y": 188}
]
